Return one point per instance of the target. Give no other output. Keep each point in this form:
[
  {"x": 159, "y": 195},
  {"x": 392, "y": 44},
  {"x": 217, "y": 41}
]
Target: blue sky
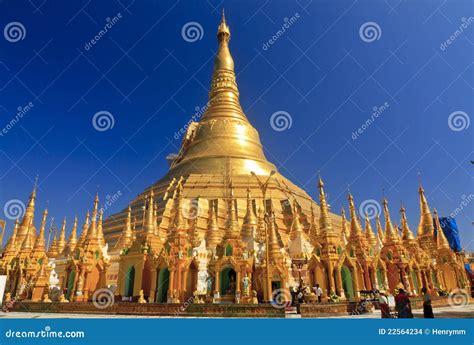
[{"x": 324, "y": 71}]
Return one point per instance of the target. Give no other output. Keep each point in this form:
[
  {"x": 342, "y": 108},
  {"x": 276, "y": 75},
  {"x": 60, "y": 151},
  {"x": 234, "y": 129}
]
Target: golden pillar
[
  {"x": 356, "y": 283},
  {"x": 218, "y": 282}
]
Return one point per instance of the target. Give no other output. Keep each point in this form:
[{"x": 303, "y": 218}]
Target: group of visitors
[{"x": 403, "y": 305}]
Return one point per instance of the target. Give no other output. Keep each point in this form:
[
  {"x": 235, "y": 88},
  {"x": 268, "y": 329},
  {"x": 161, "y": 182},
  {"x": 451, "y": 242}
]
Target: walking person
[
  {"x": 384, "y": 307},
  {"x": 427, "y": 308},
  {"x": 319, "y": 293},
  {"x": 403, "y": 305}
]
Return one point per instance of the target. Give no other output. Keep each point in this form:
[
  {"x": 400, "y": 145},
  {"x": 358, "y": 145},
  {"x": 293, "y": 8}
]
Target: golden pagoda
[{"x": 223, "y": 225}]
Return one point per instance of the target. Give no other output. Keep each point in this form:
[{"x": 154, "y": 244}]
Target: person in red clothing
[{"x": 403, "y": 305}]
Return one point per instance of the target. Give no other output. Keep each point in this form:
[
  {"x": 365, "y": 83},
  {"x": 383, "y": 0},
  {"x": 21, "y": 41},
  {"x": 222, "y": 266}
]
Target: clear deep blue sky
[{"x": 319, "y": 71}]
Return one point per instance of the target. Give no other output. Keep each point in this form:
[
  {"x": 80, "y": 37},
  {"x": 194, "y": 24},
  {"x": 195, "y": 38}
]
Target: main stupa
[{"x": 220, "y": 150}]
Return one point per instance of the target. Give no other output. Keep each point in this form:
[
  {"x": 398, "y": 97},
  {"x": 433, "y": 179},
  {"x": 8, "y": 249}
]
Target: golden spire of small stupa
[
  {"x": 213, "y": 236},
  {"x": 296, "y": 227},
  {"x": 369, "y": 233},
  {"x": 426, "y": 226},
  {"x": 126, "y": 238},
  {"x": 179, "y": 222},
  {"x": 28, "y": 217},
  {"x": 232, "y": 229},
  {"x": 250, "y": 219},
  {"x": 390, "y": 235},
  {"x": 40, "y": 247},
  {"x": 72, "y": 241},
  {"x": 356, "y": 228},
  {"x": 85, "y": 229},
  {"x": 407, "y": 234},
  {"x": 26, "y": 245},
  {"x": 441, "y": 241},
  {"x": 273, "y": 243},
  {"x": 313, "y": 229},
  {"x": 11, "y": 246},
  {"x": 100, "y": 231},
  {"x": 92, "y": 233},
  {"x": 344, "y": 230},
  {"x": 380, "y": 233},
  {"x": 62, "y": 237},
  {"x": 53, "y": 248},
  {"x": 324, "y": 219}
]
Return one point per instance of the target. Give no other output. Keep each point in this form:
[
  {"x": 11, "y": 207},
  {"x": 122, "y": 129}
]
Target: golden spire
[
  {"x": 380, "y": 233},
  {"x": 313, "y": 229},
  {"x": 232, "y": 228},
  {"x": 223, "y": 60},
  {"x": 62, "y": 237},
  {"x": 26, "y": 245},
  {"x": 40, "y": 247},
  {"x": 426, "y": 226},
  {"x": 344, "y": 223},
  {"x": 100, "y": 232},
  {"x": 11, "y": 248},
  {"x": 224, "y": 131},
  {"x": 72, "y": 241},
  {"x": 296, "y": 228},
  {"x": 149, "y": 225},
  {"x": 85, "y": 229},
  {"x": 213, "y": 234},
  {"x": 442, "y": 242},
  {"x": 407, "y": 234},
  {"x": 273, "y": 244},
  {"x": 179, "y": 222},
  {"x": 28, "y": 217},
  {"x": 324, "y": 218},
  {"x": 356, "y": 228},
  {"x": 92, "y": 234},
  {"x": 250, "y": 219},
  {"x": 369, "y": 233},
  {"x": 126, "y": 238},
  {"x": 390, "y": 234},
  {"x": 53, "y": 248}
]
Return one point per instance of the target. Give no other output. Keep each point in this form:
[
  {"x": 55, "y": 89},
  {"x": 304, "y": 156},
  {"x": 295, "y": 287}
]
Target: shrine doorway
[
  {"x": 347, "y": 282},
  {"x": 70, "y": 283},
  {"x": 129, "y": 282},
  {"x": 228, "y": 281},
  {"x": 162, "y": 285}
]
